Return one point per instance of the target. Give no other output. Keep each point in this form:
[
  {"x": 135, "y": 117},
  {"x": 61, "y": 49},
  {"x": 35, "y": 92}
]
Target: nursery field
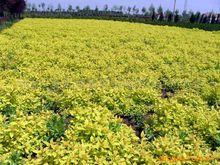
[{"x": 105, "y": 92}]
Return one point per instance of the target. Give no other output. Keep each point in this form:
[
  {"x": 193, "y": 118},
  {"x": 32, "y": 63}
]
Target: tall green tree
[
  {"x": 177, "y": 16},
  {"x": 87, "y": 8},
  {"x": 152, "y": 12},
  {"x": 169, "y": 15},
  {"x": 77, "y": 8},
  {"x": 105, "y": 7},
  {"x": 144, "y": 10},
  {"x": 197, "y": 16},
  {"x": 96, "y": 8},
  {"x": 135, "y": 10},
  {"x": 129, "y": 9},
  {"x": 192, "y": 18},
  {"x": 121, "y": 8},
  {"x": 185, "y": 16},
  {"x": 160, "y": 12},
  {"x": 59, "y": 8},
  {"x": 70, "y": 9},
  {"x": 43, "y": 6}
]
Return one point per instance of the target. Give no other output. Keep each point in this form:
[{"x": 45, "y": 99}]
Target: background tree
[
  {"x": 218, "y": 19},
  {"x": 184, "y": 13},
  {"x": 213, "y": 18},
  {"x": 34, "y": 8},
  {"x": 177, "y": 16},
  {"x": 185, "y": 16},
  {"x": 87, "y": 8},
  {"x": 43, "y": 6},
  {"x": 105, "y": 7},
  {"x": 96, "y": 9},
  {"x": 197, "y": 16},
  {"x": 201, "y": 19},
  {"x": 210, "y": 18},
  {"x": 77, "y": 8},
  {"x": 39, "y": 6},
  {"x": 169, "y": 15},
  {"x": 129, "y": 9},
  {"x": 70, "y": 9},
  {"x": 121, "y": 8},
  {"x": 59, "y": 8},
  {"x": 160, "y": 12},
  {"x": 147, "y": 13},
  {"x": 192, "y": 18},
  {"x": 50, "y": 8},
  {"x": 152, "y": 12},
  {"x": 205, "y": 18},
  {"x": 144, "y": 10},
  {"x": 15, "y": 7},
  {"x": 135, "y": 10}
]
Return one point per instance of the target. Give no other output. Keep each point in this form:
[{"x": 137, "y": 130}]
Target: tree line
[
  {"x": 15, "y": 8},
  {"x": 150, "y": 13}
]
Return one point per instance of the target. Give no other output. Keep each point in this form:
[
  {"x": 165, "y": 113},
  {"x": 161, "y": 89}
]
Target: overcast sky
[{"x": 195, "y": 5}]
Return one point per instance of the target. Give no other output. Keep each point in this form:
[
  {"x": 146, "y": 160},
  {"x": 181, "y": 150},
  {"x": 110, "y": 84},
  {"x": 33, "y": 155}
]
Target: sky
[{"x": 194, "y": 5}]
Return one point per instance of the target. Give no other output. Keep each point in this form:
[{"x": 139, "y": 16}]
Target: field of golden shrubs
[{"x": 104, "y": 92}]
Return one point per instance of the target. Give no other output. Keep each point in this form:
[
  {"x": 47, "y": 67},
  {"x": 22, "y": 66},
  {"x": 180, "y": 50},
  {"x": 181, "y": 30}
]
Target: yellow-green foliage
[{"x": 63, "y": 81}]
